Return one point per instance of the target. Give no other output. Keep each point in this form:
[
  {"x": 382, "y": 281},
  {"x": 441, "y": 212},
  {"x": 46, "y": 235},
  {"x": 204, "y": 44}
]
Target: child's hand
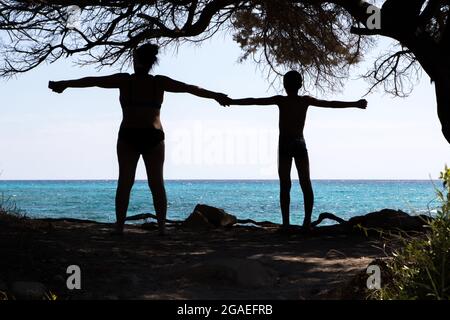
[
  {"x": 362, "y": 104},
  {"x": 57, "y": 86},
  {"x": 223, "y": 99}
]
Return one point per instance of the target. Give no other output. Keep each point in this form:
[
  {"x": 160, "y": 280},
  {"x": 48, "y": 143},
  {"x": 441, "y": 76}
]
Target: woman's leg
[
  {"x": 284, "y": 173},
  {"x": 154, "y": 164},
  {"x": 128, "y": 159},
  {"x": 302, "y": 164}
]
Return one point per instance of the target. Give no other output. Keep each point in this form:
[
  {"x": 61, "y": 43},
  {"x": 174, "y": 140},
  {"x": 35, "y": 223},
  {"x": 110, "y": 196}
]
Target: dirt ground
[{"x": 241, "y": 262}]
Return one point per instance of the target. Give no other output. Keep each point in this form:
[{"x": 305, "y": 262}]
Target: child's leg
[
  {"x": 284, "y": 173},
  {"x": 302, "y": 164}
]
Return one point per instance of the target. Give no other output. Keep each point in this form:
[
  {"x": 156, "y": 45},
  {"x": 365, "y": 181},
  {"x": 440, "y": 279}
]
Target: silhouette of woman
[{"x": 141, "y": 132}]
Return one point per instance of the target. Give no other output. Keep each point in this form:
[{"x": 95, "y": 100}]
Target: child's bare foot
[{"x": 118, "y": 231}]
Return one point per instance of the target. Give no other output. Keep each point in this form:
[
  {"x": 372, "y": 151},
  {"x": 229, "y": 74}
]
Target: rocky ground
[{"x": 234, "y": 262}]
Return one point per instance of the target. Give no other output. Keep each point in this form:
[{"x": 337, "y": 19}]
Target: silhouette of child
[{"x": 292, "y": 115}]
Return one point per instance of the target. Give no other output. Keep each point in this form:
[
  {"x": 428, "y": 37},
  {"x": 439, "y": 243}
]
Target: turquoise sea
[{"x": 253, "y": 199}]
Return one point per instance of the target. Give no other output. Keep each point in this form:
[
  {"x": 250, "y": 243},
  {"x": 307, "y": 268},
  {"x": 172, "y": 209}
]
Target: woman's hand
[{"x": 57, "y": 86}]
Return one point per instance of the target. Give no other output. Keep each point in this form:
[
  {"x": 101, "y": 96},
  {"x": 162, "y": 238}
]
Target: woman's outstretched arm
[
  {"x": 112, "y": 81},
  {"x": 171, "y": 85}
]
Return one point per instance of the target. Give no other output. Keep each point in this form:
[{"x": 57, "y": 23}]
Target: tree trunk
[
  {"x": 442, "y": 86},
  {"x": 433, "y": 56},
  {"x": 436, "y": 63}
]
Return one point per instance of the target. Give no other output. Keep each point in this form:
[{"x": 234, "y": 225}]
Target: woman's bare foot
[
  {"x": 307, "y": 227},
  {"x": 162, "y": 230}
]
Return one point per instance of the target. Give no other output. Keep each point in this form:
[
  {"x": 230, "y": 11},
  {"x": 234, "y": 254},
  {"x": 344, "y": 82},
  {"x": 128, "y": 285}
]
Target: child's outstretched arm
[
  {"x": 362, "y": 104},
  {"x": 256, "y": 101}
]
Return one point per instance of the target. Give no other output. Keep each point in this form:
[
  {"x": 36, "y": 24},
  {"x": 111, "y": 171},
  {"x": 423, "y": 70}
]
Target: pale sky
[{"x": 44, "y": 135}]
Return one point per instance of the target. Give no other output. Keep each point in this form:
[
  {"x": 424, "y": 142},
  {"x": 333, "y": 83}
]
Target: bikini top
[{"x": 130, "y": 102}]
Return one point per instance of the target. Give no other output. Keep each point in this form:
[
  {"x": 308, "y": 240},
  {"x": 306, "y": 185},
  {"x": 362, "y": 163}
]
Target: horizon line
[{"x": 205, "y": 179}]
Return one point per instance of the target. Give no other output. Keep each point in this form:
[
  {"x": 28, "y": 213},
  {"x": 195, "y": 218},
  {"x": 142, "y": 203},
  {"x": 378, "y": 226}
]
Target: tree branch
[
  {"x": 366, "y": 31},
  {"x": 430, "y": 10}
]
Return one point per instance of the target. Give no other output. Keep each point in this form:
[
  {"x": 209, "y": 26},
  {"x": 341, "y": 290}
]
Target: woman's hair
[
  {"x": 147, "y": 54},
  {"x": 293, "y": 79}
]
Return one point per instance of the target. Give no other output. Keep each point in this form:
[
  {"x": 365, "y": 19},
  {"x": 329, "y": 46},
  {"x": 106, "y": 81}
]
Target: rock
[
  {"x": 241, "y": 272},
  {"x": 197, "y": 221},
  {"x": 372, "y": 223},
  {"x": 388, "y": 219},
  {"x": 29, "y": 290},
  {"x": 215, "y": 216}
]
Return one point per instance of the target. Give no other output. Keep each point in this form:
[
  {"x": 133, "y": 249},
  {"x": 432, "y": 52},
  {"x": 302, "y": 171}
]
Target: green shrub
[
  {"x": 9, "y": 210},
  {"x": 421, "y": 268}
]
